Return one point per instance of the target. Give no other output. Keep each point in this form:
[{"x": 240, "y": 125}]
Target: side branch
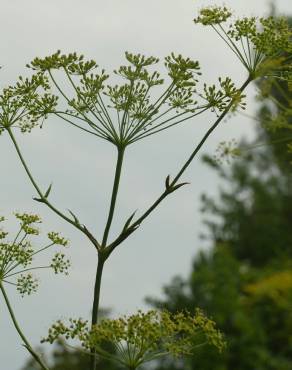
[
  {"x": 44, "y": 197},
  {"x": 173, "y": 185}
]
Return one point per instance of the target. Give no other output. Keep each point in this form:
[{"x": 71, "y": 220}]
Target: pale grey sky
[{"x": 81, "y": 168}]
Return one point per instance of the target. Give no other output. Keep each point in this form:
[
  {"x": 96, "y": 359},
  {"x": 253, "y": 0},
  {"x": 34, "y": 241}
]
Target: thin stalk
[
  {"x": 207, "y": 134},
  {"x": 8, "y": 282},
  {"x": 235, "y": 47},
  {"x": 249, "y": 50},
  {"x": 154, "y": 107},
  {"x": 24, "y": 164},
  {"x": 22, "y": 336},
  {"x": 105, "y": 112},
  {"x": 139, "y": 111},
  {"x": 81, "y": 128},
  {"x": 100, "y": 118},
  {"x": 69, "y": 102},
  {"x": 42, "y": 249},
  {"x": 43, "y": 199},
  {"x": 151, "y": 132},
  {"x": 126, "y": 112},
  {"x": 5, "y": 259},
  {"x": 120, "y": 158},
  {"x": 245, "y": 53},
  {"x": 25, "y": 270},
  {"x": 236, "y": 52}
]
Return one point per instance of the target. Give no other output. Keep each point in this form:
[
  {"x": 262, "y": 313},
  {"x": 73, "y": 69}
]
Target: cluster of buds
[
  {"x": 17, "y": 256},
  {"x": 142, "y": 337},
  {"x": 263, "y": 45},
  {"x": 227, "y": 95},
  {"x": 26, "y": 104}
]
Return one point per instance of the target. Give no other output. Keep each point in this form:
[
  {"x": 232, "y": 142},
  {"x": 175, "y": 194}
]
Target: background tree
[{"x": 244, "y": 280}]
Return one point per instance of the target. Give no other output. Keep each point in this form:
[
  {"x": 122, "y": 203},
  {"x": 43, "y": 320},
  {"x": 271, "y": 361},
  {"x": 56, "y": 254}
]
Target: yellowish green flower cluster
[
  {"x": 263, "y": 45},
  {"x": 222, "y": 97},
  {"x": 213, "y": 15},
  {"x": 126, "y": 112},
  {"x": 130, "y": 114},
  {"x": 142, "y": 337},
  {"x": 226, "y": 151},
  {"x": 17, "y": 255},
  {"x": 26, "y": 104}
]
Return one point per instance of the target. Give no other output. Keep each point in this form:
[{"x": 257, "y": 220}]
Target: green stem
[
  {"x": 95, "y": 306},
  {"x": 131, "y": 228},
  {"x": 121, "y": 151},
  {"x": 24, "y": 164},
  {"x": 101, "y": 256},
  {"x": 44, "y": 200},
  {"x": 25, "y": 341}
]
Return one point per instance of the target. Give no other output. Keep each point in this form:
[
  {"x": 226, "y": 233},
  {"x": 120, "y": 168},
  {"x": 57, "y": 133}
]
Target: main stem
[
  {"x": 101, "y": 256},
  {"x": 25, "y": 341},
  {"x": 121, "y": 151},
  {"x": 97, "y": 285},
  {"x": 95, "y": 306}
]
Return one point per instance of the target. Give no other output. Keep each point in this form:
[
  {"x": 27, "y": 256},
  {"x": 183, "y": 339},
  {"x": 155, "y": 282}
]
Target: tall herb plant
[{"x": 123, "y": 114}]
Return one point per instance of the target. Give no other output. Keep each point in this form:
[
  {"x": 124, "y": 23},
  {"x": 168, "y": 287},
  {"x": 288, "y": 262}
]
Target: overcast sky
[{"x": 81, "y": 167}]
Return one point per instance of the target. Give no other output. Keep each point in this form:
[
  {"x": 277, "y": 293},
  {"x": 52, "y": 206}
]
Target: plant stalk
[
  {"x": 121, "y": 151},
  {"x": 136, "y": 224},
  {"x": 44, "y": 199},
  {"x": 25, "y": 341},
  {"x": 101, "y": 255},
  {"x": 95, "y": 306}
]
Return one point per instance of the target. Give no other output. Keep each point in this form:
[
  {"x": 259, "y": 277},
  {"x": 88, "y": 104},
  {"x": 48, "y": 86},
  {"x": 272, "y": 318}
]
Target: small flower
[
  {"x": 26, "y": 284},
  {"x": 18, "y": 257},
  {"x": 59, "y": 264},
  {"x": 226, "y": 151},
  {"x": 57, "y": 239},
  {"x": 213, "y": 15},
  {"x": 227, "y": 95}
]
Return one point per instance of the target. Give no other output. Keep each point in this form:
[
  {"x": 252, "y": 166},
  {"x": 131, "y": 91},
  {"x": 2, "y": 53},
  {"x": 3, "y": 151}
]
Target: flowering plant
[{"x": 123, "y": 114}]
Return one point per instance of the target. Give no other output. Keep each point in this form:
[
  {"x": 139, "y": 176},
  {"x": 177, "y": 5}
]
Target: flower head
[
  {"x": 17, "y": 256},
  {"x": 263, "y": 45},
  {"x": 213, "y": 15},
  {"x": 142, "y": 337},
  {"x": 26, "y": 104}
]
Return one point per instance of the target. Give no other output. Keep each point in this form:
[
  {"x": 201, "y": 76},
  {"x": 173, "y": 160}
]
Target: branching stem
[
  {"x": 131, "y": 228},
  {"x": 44, "y": 200}
]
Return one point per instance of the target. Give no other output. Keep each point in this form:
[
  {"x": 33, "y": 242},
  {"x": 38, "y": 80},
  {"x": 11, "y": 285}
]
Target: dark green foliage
[{"x": 244, "y": 280}]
